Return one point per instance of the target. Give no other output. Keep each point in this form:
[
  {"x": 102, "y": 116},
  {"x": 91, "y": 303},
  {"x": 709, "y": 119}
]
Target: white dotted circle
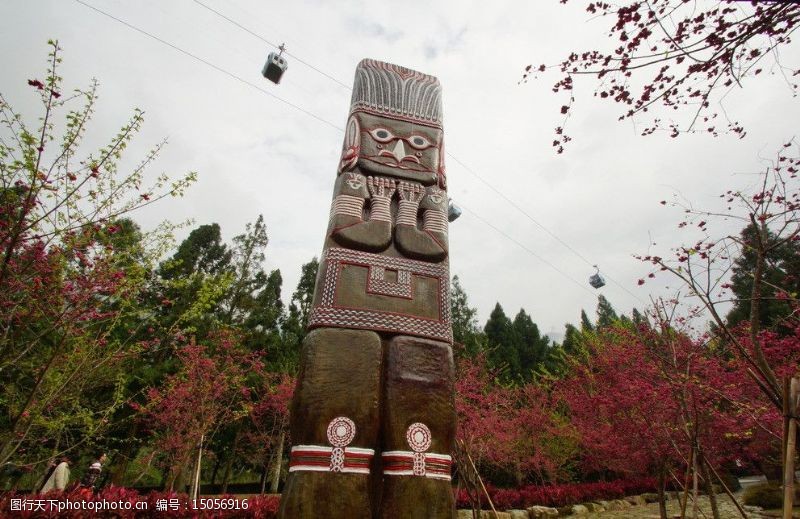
[
  {"x": 341, "y": 431},
  {"x": 419, "y": 437}
]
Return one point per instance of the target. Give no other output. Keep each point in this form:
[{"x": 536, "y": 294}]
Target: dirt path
[{"x": 727, "y": 510}]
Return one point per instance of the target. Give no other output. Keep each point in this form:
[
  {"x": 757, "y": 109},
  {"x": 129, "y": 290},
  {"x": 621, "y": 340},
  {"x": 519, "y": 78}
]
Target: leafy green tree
[
  {"x": 72, "y": 271},
  {"x": 293, "y": 329},
  {"x": 571, "y": 344},
  {"x": 465, "y": 323},
  {"x": 247, "y": 257},
  {"x": 195, "y": 281},
  {"x": 303, "y": 295}
]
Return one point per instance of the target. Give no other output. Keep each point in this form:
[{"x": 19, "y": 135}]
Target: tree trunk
[
  {"x": 41, "y": 481},
  {"x": 276, "y": 471},
  {"x": 695, "y": 485},
  {"x": 685, "y": 500},
  {"x": 755, "y": 310},
  {"x": 8, "y": 449},
  {"x": 198, "y": 467},
  {"x": 662, "y": 495},
  {"x": 262, "y": 480},
  {"x": 125, "y": 456},
  {"x": 226, "y": 476},
  {"x": 177, "y": 478},
  {"x": 791, "y": 438},
  {"x": 712, "y": 497},
  {"x": 217, "y": 462}
]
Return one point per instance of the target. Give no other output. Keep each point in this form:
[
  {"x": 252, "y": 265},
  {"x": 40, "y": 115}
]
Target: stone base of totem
[{"x": 372, "y": 428}]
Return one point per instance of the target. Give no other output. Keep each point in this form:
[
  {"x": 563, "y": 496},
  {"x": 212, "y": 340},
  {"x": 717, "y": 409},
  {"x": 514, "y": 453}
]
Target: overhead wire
[
  {"x": 532, "y": 219},
  {"x": 456, "y": 159},
  {"x": 208, "y": 63},
  {"x": 333, "y": 125},
  {"x": 524, "y": 247},
  {"x": 248, "y": 31}
]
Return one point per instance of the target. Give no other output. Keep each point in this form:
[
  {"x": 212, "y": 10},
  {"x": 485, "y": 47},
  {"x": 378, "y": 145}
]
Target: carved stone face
[{"x": 399, "y": 149}]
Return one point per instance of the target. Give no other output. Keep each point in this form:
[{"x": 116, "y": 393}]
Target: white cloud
[{"x": 257, "y": 155}]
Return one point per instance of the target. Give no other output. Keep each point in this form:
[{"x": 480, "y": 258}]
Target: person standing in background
[{"x": 92, "y": 476}]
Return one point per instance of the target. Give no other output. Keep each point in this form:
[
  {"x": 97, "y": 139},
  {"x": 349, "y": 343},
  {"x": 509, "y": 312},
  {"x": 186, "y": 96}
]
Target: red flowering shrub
[
  {"x": 207, "y": 390},
  {"x": 513, "y": 429}
]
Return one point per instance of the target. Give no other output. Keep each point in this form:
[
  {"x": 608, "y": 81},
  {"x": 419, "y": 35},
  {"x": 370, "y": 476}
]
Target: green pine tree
[
  {"x": 465, "y": 323},
  {"x": 503, "y": 351},
  {"x": 532, "y": 346},
  {"x": 606, "y": 315},
  {"x": 781, "y": 271}
]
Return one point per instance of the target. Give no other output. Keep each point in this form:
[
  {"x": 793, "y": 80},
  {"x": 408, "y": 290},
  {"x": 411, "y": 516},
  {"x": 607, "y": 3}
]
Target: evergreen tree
[
  {"x": 532, "y": 347},
  {"x": 263, "y": 324},
  {"x": 201, "y": 252},
  {"x": 247, "y": 258},
  {"x": 303, "y": 296},
  {"x": 781, "y": 272},
  {"x": 194, "y": 282},
  {"x": 465, "y": 323},
  {"x": 268, "y": 311},
  {"x": 606, "y": 315},
  {"x": 640, "y": 320},
  {"x": 572, "y": 338},
  {"x": 503, "y": 352},
  {"x": 293, "y": 329},
  {"x": 586, "y": 324}
]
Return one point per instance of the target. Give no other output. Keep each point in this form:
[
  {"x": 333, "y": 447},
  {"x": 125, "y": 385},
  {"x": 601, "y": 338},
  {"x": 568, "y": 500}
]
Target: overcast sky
[{"x": 256, "y": 155}]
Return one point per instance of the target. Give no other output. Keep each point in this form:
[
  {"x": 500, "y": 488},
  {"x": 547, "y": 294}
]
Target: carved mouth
[
  {"x": 392, "y": 163},
  {"x": 392, "y": 156}
]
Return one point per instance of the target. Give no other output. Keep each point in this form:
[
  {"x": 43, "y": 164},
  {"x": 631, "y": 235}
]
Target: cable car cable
[
  {"x": 526, "y": 249},
  {"x": 215, "y": 67},
  {"x": 532, "y": 219},
  {"x": 248, "y": 31},
  {"x": 470, "y": 170},
  {"x": 248, "y": 83}
]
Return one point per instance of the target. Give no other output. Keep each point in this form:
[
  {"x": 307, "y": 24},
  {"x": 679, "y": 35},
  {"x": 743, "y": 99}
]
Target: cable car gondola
[
  {"x": 596, "y": 280},
  {"x": 453, "y": 211},
  {"x": 275, "y": 66}
]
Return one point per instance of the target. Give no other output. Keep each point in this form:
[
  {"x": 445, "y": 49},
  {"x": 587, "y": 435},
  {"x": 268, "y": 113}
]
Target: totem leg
[
  {"x": 418, "y": 430},
  {"x": 335, "y": 417}
]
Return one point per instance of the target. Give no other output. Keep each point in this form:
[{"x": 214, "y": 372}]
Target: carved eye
[
  {"x": 354, "y": 184},
  {"x": 419, "y": 142},
  {"x": 436, "y": 199},
  {"x": 382, "y": 135}
]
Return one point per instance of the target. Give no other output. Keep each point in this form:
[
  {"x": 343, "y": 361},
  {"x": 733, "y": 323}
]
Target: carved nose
[{"x": 399, "y": 150}]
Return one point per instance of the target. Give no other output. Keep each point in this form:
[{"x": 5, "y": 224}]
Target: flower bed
[{"x": 561, "y": 495}]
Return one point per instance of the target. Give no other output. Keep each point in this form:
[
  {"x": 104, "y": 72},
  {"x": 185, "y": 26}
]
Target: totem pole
[{"x": 373, "y": 418}]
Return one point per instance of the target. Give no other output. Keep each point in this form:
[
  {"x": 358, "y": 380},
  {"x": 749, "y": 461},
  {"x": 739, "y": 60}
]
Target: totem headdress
[{"x": 397, "y": 92}]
